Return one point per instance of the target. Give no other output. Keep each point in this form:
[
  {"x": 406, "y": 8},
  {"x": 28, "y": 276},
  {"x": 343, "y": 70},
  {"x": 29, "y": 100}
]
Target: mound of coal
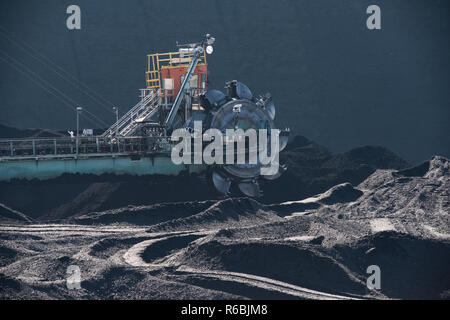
[
  {"x": 71, "y": 195},
  {"x": 126, "y": 283},
  {"x": 340, "y": 194},
  {"x": 417, "y": 171},
  {"x": 419, "y": 191},
  {"x": 44, "y": 268},
  {"x": 10, "y": 288},
  {"x": 234, "y": 212},
  {"x": 436, "y": 167},
  {"x": 163, "y": 248},
  {"x": 107, "y": 247},
  {"x": 312, "y": 169},
  {"x": 10, "y": 132},
  {"x": 144, "y": 215},
  {"x": 411, "y": 267},
  {"x": 7, "y": 255},
  {"x": 10, "y": 215},
  {"x": 296, "y": 263}
]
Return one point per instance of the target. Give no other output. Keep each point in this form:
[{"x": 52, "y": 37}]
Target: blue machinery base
[{"x": 47, "y": 168}]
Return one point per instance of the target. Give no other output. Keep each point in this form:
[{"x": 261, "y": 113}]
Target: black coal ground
[{"x": 315, "y": 248}]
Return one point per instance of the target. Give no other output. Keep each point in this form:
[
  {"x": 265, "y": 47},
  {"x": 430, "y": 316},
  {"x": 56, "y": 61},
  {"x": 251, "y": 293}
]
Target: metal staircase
[{"x": 143, "y": 110}]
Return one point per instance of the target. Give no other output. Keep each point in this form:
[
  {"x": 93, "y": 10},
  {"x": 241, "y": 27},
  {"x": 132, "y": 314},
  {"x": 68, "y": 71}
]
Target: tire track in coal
[
  {"x": 134, "y": 257},
  {"x": 265, "y": 283}
]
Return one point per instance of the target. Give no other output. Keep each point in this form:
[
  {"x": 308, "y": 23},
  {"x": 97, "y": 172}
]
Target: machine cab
[{"x": 166, "y": 71}]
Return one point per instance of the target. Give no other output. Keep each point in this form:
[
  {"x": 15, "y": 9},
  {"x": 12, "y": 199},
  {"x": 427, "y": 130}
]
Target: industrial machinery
[
  {"x": 239, "y": 109},
  {"x": 140, "y": 143}
]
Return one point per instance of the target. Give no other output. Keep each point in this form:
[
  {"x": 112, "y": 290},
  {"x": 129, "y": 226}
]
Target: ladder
[{"x": 129, "y": 122}]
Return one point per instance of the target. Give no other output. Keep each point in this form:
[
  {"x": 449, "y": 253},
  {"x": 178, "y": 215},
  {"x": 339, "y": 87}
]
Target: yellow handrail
[{"x": 157, "y": 61}]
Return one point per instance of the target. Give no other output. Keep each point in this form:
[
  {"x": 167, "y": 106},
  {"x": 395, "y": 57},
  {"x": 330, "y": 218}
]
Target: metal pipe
[
  {"x": 79, "y": 109},
  {"x": 78, "y": 126},
  {"x": 197, "y": 53},
  {"x": 116, "y": 110}
]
